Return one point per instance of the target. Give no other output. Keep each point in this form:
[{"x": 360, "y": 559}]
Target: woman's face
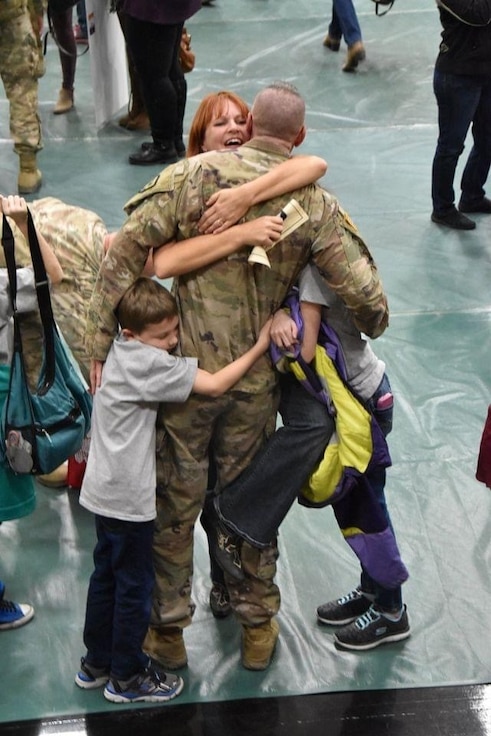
[{"x": 229, "y": 130}]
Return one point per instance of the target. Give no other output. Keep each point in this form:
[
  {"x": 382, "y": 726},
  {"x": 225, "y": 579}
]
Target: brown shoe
[
  {"x": 167, "y": 647},
  {"x": 258, "y": 645},
  {"x": 64, "y": 102},
  {"x": 331, "y": 43},
  {"x": 138, "y": 122},
  {"x": 30, "y": 178},
  {"x": 356, "y": 53}
]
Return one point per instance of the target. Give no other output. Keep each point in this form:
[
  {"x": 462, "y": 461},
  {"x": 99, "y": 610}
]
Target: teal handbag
[{"x": 40, "y": 429}]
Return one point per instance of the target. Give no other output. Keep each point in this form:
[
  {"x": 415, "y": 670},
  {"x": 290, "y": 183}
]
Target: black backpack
[{"x": 387, "y": 3}]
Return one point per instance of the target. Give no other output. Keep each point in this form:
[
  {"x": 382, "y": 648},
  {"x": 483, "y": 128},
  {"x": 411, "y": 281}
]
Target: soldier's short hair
[
  {"x": 145, "y": 303},
  {"x": 278, "y": 111}
]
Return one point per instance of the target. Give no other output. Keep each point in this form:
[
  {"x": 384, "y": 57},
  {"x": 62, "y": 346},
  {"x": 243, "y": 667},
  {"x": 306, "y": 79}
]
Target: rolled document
[{"x": 293, "y": 216}]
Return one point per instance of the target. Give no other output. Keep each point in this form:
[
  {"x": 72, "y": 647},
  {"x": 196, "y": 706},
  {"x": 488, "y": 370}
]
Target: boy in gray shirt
[{"x": 119, "y": 487}]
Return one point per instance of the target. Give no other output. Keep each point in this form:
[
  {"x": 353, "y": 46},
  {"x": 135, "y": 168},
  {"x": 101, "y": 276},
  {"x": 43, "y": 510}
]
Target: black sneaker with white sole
[
  {"x": 344, "y": 610},
  {"x": 372, "y": 629}
]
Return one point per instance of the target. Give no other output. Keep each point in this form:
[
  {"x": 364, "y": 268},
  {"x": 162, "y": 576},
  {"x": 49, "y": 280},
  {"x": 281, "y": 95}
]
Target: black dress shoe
[
  {"x": 179, "y": 146},
  {"x": 484, "y": 205},
  {"x": 455, "y": 220},
  {"x": 156, "y": 153}
]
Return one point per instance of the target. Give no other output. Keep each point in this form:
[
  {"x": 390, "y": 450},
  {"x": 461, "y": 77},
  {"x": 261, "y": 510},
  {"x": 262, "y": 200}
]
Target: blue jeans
[
  {"x": 344, "y": 22},
  {"x": 256, "y": 503},
  {"x": 119, "y": 598},
  {"x": 461, "y": 100}
]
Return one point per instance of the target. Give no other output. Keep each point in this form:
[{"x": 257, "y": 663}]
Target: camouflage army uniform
[
  {"x": 221, "y": 309},
  {"x": 20, "y": 67},
  {"x": 77, "y": 239}
]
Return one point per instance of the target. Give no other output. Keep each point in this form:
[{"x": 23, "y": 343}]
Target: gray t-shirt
[
  {"x": 120, "y": 478},
  {"x": 364, "y": 370},
  {"x": 26, "y": 301}
]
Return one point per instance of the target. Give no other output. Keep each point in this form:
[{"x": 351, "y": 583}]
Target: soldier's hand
[
  {"x": 96, "y": 367},
  {"x": 225, "y": 208},
  {"x": 15, "y": 207},
  {"x": 264, "y": 231}
]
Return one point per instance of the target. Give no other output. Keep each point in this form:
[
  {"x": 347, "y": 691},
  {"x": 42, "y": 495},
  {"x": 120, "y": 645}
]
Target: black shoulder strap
[{"x": 42, "y": 291}]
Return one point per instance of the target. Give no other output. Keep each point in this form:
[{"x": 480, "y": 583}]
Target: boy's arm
[
  {"x": 216, "y": 384},
  {"x": 311, "y": 316},
  {"x": 227, "y": 206},
  {"x": 185, "y": 256}
]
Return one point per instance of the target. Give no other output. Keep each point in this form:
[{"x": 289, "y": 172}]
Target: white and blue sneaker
[
  {"x": 13, "y": 615},
  {"x": 150, "y": 686},
  {"x": 89, "y": 677},
  {"x": 372, "y": 629}
]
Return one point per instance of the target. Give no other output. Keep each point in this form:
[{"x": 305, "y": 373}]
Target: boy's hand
[
  {"x": 96, "y": 367},
  {"x": 284, "y": 331},
  {"x": 225, "y": 208},
  {"x": 264, "y": 335}
]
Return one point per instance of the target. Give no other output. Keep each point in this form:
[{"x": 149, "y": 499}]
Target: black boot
[{"x": 156, "y": 153}]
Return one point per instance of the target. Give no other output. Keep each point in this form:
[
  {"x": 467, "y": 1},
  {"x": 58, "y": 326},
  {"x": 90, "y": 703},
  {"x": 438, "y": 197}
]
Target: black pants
[{"x": 154, "y": 49}]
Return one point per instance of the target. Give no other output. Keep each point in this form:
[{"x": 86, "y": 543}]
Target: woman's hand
[
  {"x": 224, "y": 208},
  {"x": 264, "y": 231}
]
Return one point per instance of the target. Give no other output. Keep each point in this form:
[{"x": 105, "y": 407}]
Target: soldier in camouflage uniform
[
  {"x": 221, "y": 309},
  {"x": 21, "y": 64},
  {"x": 76, "y": 236}
]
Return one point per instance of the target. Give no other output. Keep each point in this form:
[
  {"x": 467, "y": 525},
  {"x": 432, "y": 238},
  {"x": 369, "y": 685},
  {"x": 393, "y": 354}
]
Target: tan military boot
[
  {"x": 30, "y": 177},
  {"x": 167, "y": 647},
  {"x": 258, "y": 645},
  {"x": 64, "y": 102},
  {"x": 356, "y": 53}
]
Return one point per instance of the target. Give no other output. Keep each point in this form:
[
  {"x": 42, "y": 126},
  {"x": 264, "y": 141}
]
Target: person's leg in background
[
  {"x": 20, "y": 68},
  {"x": 345, "y": 24},
  {"x": 67, "y": 48},
  {"x": 476, "y": 170},
  {"x": 154, "y": 49},
  {"x": 80, "y": 29},
  {"x": 457, "y": 98}
]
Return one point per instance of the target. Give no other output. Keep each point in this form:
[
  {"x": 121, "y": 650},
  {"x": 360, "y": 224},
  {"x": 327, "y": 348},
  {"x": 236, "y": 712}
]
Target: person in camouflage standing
[
  {"x": 21, "y": 64},
  {"x": 76, "y": 236},
  {"x": 221, "y": 308}
]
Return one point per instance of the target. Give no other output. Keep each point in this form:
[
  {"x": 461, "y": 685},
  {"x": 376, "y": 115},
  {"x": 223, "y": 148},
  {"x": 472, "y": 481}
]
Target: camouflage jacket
[
  {"x": 12, "y": 8},
  {"x": 223, "y": 306}
]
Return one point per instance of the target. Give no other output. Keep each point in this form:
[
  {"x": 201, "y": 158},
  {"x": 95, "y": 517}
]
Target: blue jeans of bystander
[{"x": 462, "y": 100}]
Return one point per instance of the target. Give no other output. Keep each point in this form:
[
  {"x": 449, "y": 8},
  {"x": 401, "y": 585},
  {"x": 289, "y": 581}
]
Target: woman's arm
[
  {"x": 228, "y": 205},
  {"x": 311, "y": 317},
  {"x": 16, "y": 208},
  {"x": 174, "y": 259}
]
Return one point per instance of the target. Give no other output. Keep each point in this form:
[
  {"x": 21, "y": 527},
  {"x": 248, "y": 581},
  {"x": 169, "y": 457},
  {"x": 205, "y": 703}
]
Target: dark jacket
[{"x": 466, "y": 37}]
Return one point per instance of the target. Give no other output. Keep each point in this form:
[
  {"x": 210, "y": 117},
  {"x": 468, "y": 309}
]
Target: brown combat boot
[
  {"x": 258, "y": 645},
  {"x": 167, "y": 647},
  {"x": 64, "y": 102},
  {"x": 356, "y": 53},
  {"x": 30, "y": 177}
]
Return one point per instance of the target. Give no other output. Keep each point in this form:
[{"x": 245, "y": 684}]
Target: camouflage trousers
[
  {"x": 232, "y": 428},
  {"x": 20, "y": 67}
]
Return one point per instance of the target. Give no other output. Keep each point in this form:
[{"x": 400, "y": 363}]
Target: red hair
[{"x": 210, "y": 108}]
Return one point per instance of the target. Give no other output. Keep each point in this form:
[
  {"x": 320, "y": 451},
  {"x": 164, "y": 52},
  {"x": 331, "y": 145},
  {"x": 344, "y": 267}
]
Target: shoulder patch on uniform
[
  {"x": 167, "y": 181},
  {"x": 348, "y": 222}
]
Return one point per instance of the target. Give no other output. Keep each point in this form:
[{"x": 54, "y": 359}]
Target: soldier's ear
[
  {"x": 300, "y": 137},
  {"x": 249, "y": 124}
]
